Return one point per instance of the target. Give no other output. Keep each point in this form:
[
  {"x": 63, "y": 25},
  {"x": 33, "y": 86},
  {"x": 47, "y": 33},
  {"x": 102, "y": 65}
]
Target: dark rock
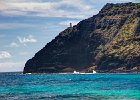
[{"x": 109, "y": 40}]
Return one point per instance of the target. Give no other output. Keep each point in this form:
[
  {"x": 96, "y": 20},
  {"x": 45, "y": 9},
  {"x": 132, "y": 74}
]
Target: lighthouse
[{"x": 70, "y": 24}]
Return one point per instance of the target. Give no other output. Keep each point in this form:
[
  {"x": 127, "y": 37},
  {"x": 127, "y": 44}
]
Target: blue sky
[{"x": 26, "y": 26}]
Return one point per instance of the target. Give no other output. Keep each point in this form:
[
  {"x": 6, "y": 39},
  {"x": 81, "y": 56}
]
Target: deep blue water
[{"x": 17, "y": 86}]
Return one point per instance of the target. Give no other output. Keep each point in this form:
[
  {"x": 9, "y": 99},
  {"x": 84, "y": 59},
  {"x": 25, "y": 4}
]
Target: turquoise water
[{"x": 17, "y": 86}]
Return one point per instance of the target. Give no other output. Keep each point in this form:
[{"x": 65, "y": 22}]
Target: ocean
[{"x": 18, "y": 86}]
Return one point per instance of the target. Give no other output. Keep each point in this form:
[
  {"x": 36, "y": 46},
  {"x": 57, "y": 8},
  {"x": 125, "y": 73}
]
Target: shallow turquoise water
[{"x": 17, "y": 86}]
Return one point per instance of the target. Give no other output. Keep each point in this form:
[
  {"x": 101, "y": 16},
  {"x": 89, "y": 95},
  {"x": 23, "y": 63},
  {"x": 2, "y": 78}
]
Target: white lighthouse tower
[{"x": 70, "y": 25}]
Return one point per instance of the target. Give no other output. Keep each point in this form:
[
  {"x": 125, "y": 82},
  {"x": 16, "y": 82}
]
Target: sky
[{"x": 26, "y": 26}]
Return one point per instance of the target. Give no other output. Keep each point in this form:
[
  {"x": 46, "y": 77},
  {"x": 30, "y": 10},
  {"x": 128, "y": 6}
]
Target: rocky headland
[{"x": 106, "y": 42}]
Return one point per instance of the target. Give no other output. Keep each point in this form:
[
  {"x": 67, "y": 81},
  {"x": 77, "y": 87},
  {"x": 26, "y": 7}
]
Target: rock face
[{"x": 108, "y": 41}]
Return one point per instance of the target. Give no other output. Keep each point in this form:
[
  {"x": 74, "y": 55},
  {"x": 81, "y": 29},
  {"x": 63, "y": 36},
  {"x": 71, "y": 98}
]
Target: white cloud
[
  {"x": 24, "y": 53},
  {"x": 2, "y": 35},
  {"x": 55, "y": 8},
  {"x": 67, "y": 23},
  {"x": 11, "y": 66},
  {"x": 5, "y": 54},
  {"x": 28, "y": 39},
  {"x": 13, "y": 44},
  {"x": 16, "y": 25},
  {"x": 61, "y": 8}
]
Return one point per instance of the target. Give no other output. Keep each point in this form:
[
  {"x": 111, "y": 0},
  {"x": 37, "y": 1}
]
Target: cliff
[{"x": 107, "y": 42}]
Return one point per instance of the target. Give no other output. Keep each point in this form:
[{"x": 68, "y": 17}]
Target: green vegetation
[
  {"x": 122, "y": 43},
  {"x": 93, "y": 67},
  {"x": 124, "y": 47}
]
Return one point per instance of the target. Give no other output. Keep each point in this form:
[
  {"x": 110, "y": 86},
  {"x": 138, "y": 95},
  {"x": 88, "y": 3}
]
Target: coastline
[{"x": 102, "y": 72}]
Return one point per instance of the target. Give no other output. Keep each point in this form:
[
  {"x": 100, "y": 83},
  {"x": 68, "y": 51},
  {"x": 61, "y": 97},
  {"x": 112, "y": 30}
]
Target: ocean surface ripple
[{"x": 18, "y": 86}]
